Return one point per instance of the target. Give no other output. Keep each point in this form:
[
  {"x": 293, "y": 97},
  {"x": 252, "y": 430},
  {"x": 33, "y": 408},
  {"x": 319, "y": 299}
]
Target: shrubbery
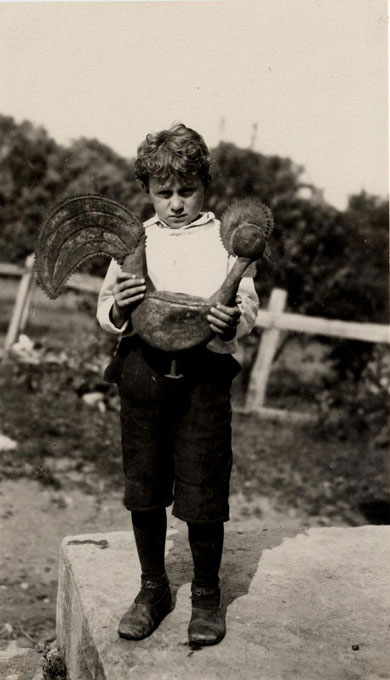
[{"x": 360, "y": 404}]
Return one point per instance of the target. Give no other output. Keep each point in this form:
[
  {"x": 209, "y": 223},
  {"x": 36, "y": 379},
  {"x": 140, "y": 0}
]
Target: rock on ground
[
  {"x": 6, "y": 443},
  {"x": 313, "y": 605}
]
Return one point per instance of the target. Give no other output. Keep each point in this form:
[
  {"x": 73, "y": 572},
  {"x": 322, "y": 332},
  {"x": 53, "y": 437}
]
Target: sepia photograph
[{"x": 194, "y": 350}]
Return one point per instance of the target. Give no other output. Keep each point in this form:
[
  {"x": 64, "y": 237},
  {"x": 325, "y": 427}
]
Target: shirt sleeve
[{"x": 106, "y": 301}]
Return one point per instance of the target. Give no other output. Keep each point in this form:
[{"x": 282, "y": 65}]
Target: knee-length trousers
[{"x": 176, "y": 432}]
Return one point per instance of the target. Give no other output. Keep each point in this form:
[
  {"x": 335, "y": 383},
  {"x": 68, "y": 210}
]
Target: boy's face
[{"x": 177, "y": 201}]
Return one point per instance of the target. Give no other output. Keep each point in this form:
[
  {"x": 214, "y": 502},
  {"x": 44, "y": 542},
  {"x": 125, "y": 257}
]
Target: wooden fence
[{"x": 273, "y": 320}]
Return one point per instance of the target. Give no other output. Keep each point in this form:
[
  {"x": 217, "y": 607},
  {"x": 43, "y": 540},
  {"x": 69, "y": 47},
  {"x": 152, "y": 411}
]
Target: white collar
[{"x": 203, "y": 218}]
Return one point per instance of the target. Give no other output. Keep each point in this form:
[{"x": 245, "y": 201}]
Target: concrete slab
[{"x": 313, "y": 605}]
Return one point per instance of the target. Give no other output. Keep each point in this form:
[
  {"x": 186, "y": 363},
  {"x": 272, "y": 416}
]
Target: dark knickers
[{"x": 176, "y": 434}]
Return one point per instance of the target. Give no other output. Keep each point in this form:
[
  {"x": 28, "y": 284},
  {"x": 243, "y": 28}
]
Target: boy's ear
[{"x": 144, "y": 187}]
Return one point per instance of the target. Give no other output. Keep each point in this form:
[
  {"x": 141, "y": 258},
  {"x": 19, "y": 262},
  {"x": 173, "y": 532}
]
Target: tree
[
  {"x": 332, "y": 263},
  {"x": 36, "y": 173},
  {"x": 242, "y": 172},
  {"x": 29, "y": 181}
]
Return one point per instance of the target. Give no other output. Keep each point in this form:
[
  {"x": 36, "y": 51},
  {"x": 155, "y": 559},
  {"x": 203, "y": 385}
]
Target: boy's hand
[
  {"x": 128, "y": 291},
  {"x": 224, "y": 320}
]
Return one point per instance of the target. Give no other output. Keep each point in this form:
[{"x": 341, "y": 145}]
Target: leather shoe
[
  {"x": 207, "y": 624},
  {"x": 152, "y": 604}
]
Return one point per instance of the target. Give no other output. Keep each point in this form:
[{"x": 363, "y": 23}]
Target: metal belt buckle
[{"x": 173, "y": 374}]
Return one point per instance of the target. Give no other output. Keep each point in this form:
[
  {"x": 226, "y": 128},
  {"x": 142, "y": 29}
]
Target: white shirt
[{"x": 190, "y": 260}]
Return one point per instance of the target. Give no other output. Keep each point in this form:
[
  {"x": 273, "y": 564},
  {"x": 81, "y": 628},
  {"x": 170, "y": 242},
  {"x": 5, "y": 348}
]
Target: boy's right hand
[{"x": 128, "y": 291}]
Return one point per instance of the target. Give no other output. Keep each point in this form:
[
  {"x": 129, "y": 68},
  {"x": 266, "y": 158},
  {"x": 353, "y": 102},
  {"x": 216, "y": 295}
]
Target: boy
[{"x": 177, "y": 432}]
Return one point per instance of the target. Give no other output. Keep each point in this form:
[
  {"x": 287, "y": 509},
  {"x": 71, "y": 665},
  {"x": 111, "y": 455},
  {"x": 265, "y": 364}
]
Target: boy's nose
[{"x": 177, "y": 204}]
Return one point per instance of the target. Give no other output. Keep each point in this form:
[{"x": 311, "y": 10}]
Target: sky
[{"x": 311, "y": 74}]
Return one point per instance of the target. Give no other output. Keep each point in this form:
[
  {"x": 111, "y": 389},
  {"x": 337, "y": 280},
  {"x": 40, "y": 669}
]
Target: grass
[{"x": 304, "y": 469}]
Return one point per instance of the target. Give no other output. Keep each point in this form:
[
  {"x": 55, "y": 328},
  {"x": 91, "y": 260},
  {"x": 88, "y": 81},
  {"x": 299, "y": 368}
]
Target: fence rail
[
  {"x": 81, "y": 282},
  {"x": 273, "y": 320},
  {"x": 315, "y": 325},
  {"x": 7, "y": 269}
]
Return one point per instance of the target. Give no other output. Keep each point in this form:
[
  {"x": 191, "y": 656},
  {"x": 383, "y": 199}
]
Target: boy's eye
[
  {"x": 186, "y": 192},
  {"x": 164, "y": 194}
]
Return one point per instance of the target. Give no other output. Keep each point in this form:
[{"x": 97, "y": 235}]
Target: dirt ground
[{"x": 34, "y": 519}]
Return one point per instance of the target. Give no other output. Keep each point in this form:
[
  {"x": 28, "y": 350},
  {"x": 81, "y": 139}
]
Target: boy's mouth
[{"x": 178, "y": 217}]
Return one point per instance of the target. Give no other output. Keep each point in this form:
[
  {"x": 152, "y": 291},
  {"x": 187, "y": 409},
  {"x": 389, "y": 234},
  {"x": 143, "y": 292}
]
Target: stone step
[{"x": 311, "y": 606}]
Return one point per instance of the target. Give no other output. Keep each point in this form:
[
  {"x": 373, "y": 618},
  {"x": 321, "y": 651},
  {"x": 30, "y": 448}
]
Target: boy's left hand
[{"x": 224, "y": 320}]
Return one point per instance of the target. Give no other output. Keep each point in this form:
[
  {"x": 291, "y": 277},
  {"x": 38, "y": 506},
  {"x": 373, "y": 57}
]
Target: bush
[{"x": 362, "y": 403}]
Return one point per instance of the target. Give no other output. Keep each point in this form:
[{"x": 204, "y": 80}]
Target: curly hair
[{"x": 179, "y": 151}]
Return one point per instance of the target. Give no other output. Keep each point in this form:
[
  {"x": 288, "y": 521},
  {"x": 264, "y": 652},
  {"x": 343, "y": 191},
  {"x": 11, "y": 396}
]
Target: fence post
[
  {"x": 267, "y": 347},
  {"x": 27, "y": 305},
  {"x": 22, "y": 303}
]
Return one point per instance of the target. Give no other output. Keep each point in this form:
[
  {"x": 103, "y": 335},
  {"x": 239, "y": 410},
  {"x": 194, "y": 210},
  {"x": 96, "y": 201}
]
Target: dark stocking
[
  {"x": 154, "y": 600},
  {"x": 150, "y": 528},
  {"x": 206, "y": 542}
]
